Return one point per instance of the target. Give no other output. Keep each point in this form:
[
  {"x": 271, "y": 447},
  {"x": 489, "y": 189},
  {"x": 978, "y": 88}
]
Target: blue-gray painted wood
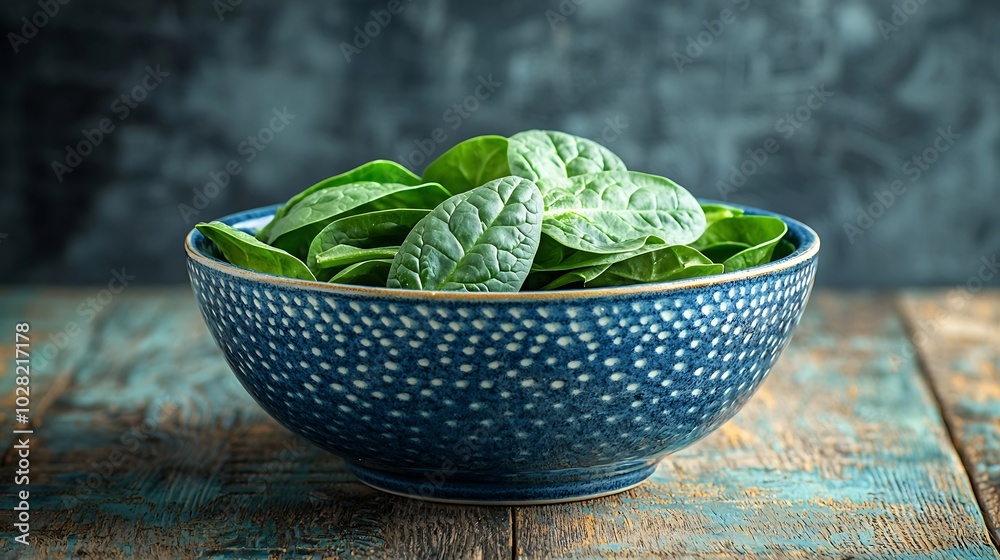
[
  {"x": 957, "y": 338},
  {"x": 841, "y": 454},
  {"x": 151, "y": 449}
]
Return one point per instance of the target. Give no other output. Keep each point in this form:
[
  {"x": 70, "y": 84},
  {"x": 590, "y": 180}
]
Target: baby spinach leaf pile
[{"x": 541, "y": 210}]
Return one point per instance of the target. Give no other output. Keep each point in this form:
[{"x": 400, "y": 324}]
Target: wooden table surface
[{"x": 859, "y": 445}]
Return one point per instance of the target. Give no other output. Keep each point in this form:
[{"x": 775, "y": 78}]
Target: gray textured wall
[{"x": 845, "y": 92}]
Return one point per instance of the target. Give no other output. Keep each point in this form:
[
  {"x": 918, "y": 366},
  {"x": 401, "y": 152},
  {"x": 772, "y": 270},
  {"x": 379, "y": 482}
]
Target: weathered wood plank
[
  {"x": 841, "y": 454},
  {"x": 61, "y": 332},
  {"x": 957, "y": 336},
  {"x": 153, "y": 450},
  {"x": 182, "y": 462}
]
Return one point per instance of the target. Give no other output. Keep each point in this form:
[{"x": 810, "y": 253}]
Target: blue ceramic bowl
[{"x": 502, "y": 398}]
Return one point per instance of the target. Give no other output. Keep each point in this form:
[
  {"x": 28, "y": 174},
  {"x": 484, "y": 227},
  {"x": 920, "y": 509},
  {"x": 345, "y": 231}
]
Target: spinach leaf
[
  {"x": 245, "y": 251},
  {"x": 540, "y": 210},
  {"x": 469, "y": 164},
  {"x": 571, "y": 259},
  {"x": 716, "y": 212},
  {"x": 482, "y": 240},
  {"x": 538, "y": 279},
  {"x": 760, "y": 233},
  {"x": 345, "y": 254},
  {"x": 550, "y": 253},
  {"x": 580, "y": 276},
  {"x": 719, "y": 252},
  {"x": 672, "y": 263},
  {"x": 296, "y": 230},
  {"x": 544, "y": 154},
  {"x": 619, "y": 211},
  {"x": 365, "y": 273},
  {"x": 669, "y": 263},
  {"x": 378, "y": 171},
  {"x": 374, "y": 229}
]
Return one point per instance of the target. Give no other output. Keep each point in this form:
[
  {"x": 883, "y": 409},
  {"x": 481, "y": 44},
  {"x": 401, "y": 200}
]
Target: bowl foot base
[{"x": 537, "y": 488}]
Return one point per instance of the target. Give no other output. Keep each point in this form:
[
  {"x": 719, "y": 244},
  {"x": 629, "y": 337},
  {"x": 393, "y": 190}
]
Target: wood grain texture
[
  {"x": 151, "y": 449},
  {"x": 841, "y": 454},
  {"x": 956, "y": 334},
  {"x": 62, "y": 331},
  {"x": 146, "y": 446}
]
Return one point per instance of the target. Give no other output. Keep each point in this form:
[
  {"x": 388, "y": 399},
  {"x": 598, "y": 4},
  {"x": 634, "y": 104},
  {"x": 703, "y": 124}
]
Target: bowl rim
[{"x": 806, "y": 251}]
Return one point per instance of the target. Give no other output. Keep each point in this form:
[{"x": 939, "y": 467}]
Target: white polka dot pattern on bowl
[{"x": 502, "y": 385}]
